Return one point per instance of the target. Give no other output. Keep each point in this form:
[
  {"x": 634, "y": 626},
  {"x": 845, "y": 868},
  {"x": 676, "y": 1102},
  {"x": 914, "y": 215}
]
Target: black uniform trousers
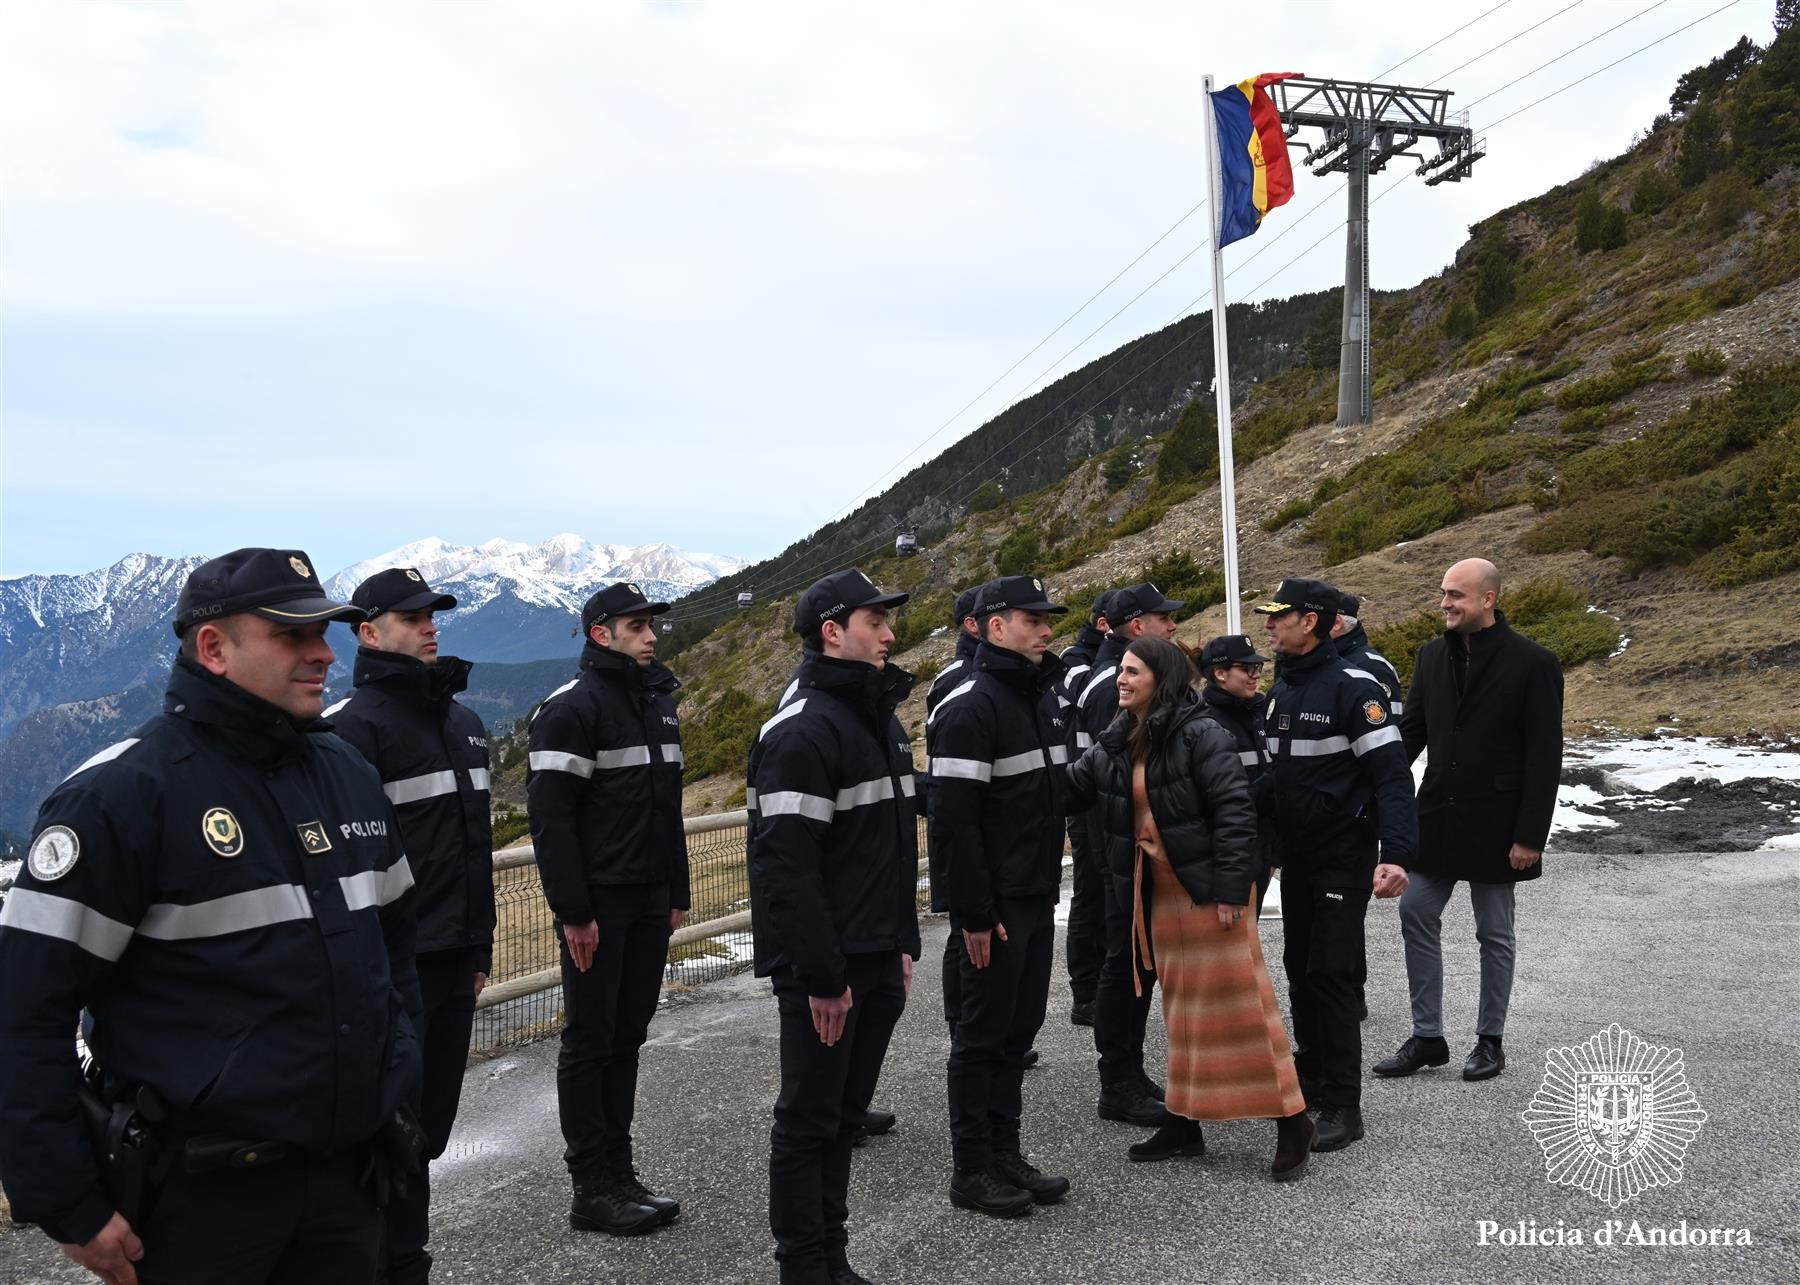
[
  {"x": 1120, "y": 1013},
  {"x": 953, "y": 962},
  {"x": 1002, "y": 1012},
  {"x": 305, "y": 1220},
  {"x": 1324, "y": 897},
  {"x": 447, "y": 992},
  {"x": 824, "y": 1095},
  {"x": 607, "y": 1012},
  {"x": 1085, "y": 941}
]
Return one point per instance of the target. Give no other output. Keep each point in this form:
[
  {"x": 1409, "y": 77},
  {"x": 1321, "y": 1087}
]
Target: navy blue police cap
[
  {"x": 399, "y": 589},
  {"x": 965, "y": 605},
  {"x": 836, "y": 596},
  {"x": 1016, "y": 593},
  {"x": 1230, "y": 649},
  {"x": 276, "y": 584},
  {"x": 1136, "y": 600},
  {"x": 1295, "y": 594},
  {"x": 621, "y": 598}
]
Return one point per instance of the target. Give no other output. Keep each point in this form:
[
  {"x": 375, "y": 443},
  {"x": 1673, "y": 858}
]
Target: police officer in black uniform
[
  {"x": 1344, "y": 808},
  {"x": 998, "y": 765},
  {"x": 432, "y": 754},
  {"x": 225, "y": 895},
  {"x": 604, "y": 790},
  {"x": 1121, "y": 1012},
  {"x": 1085, "y": 940},
  {"x": 834, "y": 869},
  {"x": 1230, "y": 697},
  {"x": 958, "y": 673}
]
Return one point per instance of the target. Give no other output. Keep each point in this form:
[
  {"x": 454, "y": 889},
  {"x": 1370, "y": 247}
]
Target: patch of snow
[
  {"x": 1651, "y": 764},
  {"x": 1781, "y": 843}
]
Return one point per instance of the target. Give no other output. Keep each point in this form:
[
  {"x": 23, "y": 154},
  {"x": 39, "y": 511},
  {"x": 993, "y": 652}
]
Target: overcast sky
[{"x": 341, "y": 276}]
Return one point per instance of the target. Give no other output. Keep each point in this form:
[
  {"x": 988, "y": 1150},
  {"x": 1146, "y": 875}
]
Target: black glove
[{"x": 395, "y": 1153}]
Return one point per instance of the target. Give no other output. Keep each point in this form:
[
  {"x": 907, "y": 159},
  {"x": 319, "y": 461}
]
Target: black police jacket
[
  {"x": 998, "y": 768},
  {"x": 604, "y": 784},
  {"x": 225, "y": 894},
  {"x": 1354, "y": 647},
  {"x": 1243, "y": 718},
  {"x": 432, "y": 754},
  {"x": 834, "y": 836},
  {"x": 957, "y": 672},
  {"x": 1098, "y": 698},
  {"x": 1337, "y": 756},
  {"x": 1198, "y": 794},
  {"x": 1078, "y": 665}
]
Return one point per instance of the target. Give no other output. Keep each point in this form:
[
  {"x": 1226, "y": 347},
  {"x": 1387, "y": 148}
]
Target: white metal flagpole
[{"x": 1222, "y": 378}]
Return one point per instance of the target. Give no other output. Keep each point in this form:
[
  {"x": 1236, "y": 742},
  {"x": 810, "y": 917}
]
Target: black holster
[{"x": 125, "y": 1135}]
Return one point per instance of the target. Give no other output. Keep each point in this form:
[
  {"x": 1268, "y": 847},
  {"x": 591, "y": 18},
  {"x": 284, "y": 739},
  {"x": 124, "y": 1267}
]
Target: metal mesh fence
[{"x": 524, "y": 997}]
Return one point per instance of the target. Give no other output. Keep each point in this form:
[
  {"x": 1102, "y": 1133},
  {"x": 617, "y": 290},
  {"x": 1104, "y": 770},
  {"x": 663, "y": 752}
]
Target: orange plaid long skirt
[{"x": 1229, "y": 1056}]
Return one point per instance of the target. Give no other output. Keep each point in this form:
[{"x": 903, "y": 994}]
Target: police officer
[
  {"x": 997, "y": 773},
  {"x": 1344, "y": 808},
  {"x": 225, "y": 895},
  {"x": 958, "y": 672},
  {"x": 1127, "y": 1092},
  {"x": 432, "y": 754},
  {"x": 1085, "y": 940},
  {"x": 834, "y": 871},
  {"x": 604, "y": 791},
  {"x": 1230, "y": 697}
]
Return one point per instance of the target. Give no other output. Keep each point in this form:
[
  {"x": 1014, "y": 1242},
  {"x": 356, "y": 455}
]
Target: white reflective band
[
  {"x": 241, "y": 911},
  {"x": 907, "y": 787},
  {"x": 673, "y": 754},
  {"x": 479, "y": 778},
  {"x": 1072, "y": 673},
  {"x": 552, "y": 696},
  {"x": 1019, "y": 764},
  {"x": 332, "y": 710},
  {"x": 558, "y": 761},
  {"x": 1321, "y": 748},
  {"x": 949, "y": 696},
  {"x": 966, "y": 769},
  {"x": 1249, "y": 758},
  {"x": 416, "y": 789},
  {"x": 786, "y": 711},
  {"x": 1096, "y": 680},
  {"x": 106, "y": 755},
  {"x": 1374, "y": 740},
  {"x": 788, "y": 694},
  {"x": 377, "y": 887},
  {"x": 630, "y": 756},
  {"x": 1363, "y": 673},
  {"x": 749, "y": 800},
  {"x": 949, "y": 669},
  {"x": 38, "y": 912},
  {"x": 1059, "y": 754},
  {"x": 1397, "y": 708},
  {"x": 788, "y": 803},
  {"x": 861, "y": 795},
  {"x": 1083, "y": 740}
]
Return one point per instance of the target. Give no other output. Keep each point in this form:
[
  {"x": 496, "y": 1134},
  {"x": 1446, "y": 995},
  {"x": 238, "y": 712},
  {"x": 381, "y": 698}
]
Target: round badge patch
[
  {"x": 53, "y": 853},
  {"x": 1373, "y": 711},
  {"x": 300, "y": 568},
  {"x": 414, "y": 575},
  {"x": 222, "y": 832}
]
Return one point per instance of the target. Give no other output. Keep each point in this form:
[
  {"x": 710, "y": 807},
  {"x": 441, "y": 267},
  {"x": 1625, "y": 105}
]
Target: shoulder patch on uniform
[
  {"x": 1373, "y": 711},
  {"x": 53, "y": 853},
  {"x": 222, "y": 832}
]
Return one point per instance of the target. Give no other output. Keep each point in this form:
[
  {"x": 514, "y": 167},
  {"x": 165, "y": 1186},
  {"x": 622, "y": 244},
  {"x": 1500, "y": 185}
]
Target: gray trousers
[{"x": 1421, "y": 921}]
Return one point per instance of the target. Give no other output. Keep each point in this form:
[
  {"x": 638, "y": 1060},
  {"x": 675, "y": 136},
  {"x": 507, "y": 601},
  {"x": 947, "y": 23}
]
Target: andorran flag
[{"x": 1254, "y": 174}]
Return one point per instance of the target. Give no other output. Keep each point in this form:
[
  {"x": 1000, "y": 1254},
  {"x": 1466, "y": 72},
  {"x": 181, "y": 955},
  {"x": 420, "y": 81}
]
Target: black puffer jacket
[
  {"x": 1243, "y": 718},
  {"x": 1198, "y": 794},
  {"x": 432, "y": 754}
]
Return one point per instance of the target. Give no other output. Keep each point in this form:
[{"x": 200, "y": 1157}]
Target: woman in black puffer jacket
[{"x": 1181, "y": 836}]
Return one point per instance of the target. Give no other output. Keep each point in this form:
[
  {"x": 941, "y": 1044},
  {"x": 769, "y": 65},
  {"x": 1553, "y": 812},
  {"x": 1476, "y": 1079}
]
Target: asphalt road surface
[{"x": 1694, "y": 952}]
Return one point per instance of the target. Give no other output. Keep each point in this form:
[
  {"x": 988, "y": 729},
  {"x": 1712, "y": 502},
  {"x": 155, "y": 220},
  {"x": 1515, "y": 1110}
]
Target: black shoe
[
  {"x": 1486, "y": 1060},
  {"x": 1130, "y": 1104},
  {"x": 1294, "y": 1136},
  {"x": 1150, "y": 1086},
  {"x": 985, "y": 1192},
  {"x": 1045, "y": 1189},
  {"x": 1418, "y": 1051},
  {"x": 1338, "y": 1128},
  {"x": 1081, "y": 1014},
  {"x": 876, "y": 1122},
  {"x": 599, "y": 1205},
  {"x": 627, "y": 1185},
  {"x": 1179, "y": 1137},
  {"x": 1031, "y": 1058},
  {"x": 844, "y": 1274}
]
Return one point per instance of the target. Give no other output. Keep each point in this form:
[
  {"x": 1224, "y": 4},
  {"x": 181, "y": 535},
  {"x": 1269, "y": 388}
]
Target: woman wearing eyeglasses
[
  {"x": 1181, "y": 846},
  {"x": 1233, "y": 698}
]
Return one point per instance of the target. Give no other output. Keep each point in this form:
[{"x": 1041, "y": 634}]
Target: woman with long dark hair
[{"x": 1181, "y": 837}]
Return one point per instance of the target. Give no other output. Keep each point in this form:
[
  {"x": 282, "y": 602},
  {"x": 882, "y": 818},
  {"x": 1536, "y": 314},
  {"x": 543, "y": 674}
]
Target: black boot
[
  {"x": 1129, "y": 1103},
  {"x": 1338, "y": 1128},
  {"x": 844, "y": 1274},
  {"x": 1031, "y": 1058},
  {"x": 988, "y": 1193},
  {"x": 876, "y": 1122},
  {"x": 1418, "y": 1051},
  {"x": 1486, "y": 1060},
  {"x": 1179, "y": 1137},
  {"x": 1081, "y": 1013},
  {"x": 1045, "y": 1189},
  {"x": 1293, "y": 1143},
  {"x": 599, "y": 1205}
]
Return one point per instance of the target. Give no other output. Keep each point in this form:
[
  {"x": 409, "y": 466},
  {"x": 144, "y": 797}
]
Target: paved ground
[{"x": 1691, "y": 951}]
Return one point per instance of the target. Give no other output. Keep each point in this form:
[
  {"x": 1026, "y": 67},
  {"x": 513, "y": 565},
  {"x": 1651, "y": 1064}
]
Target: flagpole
[{"x": 1222, "y": 378}]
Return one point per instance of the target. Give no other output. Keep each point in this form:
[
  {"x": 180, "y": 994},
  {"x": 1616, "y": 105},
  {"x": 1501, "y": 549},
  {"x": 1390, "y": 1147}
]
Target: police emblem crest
[
  {"x": 414, "y": 575},
  {"x": 222, "y": 832},
  {"x": 313, "y": 837},
  {"x": 53, "y": 853},
  {"x": 1614, "y": 1116},
  {"x": 1374, "y": 713},
  {"x": 300, "y": 568}
]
